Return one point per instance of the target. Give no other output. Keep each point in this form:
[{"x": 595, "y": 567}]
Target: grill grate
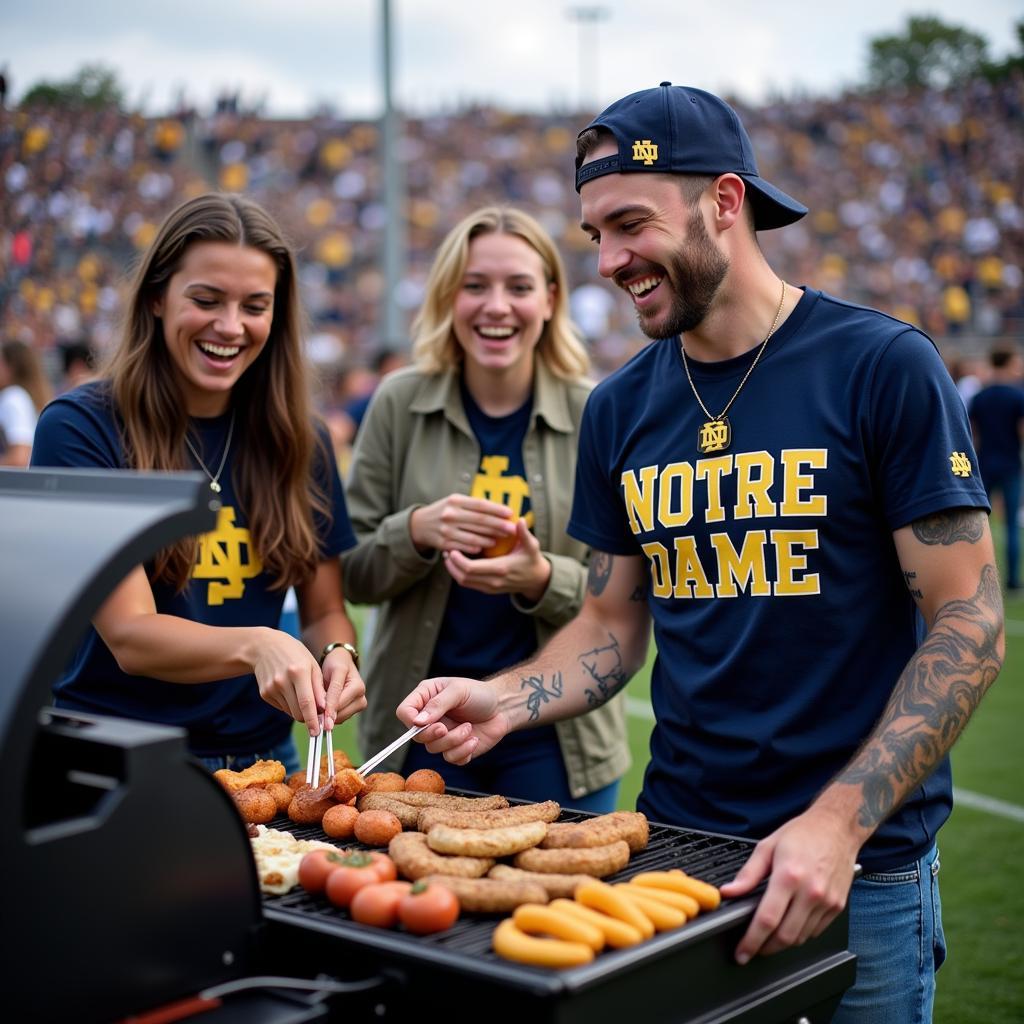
[{"x": 710, "y": 857}]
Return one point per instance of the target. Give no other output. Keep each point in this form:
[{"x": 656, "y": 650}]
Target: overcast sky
[{"x": 522, "y": 54}]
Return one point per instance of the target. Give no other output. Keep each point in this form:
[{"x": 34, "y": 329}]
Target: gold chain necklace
[
  {"x": 716, "y": 434},
  {"x": 215, "y": 477}
]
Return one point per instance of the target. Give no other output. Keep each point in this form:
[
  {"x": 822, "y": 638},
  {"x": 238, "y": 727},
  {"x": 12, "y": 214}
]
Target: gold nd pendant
[{"x": 714, "y": 436}]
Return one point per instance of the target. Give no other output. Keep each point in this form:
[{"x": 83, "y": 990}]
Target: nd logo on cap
[{"x": 646, "y": 151}]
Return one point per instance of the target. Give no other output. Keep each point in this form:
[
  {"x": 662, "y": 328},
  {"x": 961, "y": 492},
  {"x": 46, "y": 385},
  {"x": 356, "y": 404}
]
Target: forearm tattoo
[
  {"x": 935, "y": 696},
  {"x": 599, "y": 572},
  {"x": 949, "y": 527},
  {"x": 911, "y": 578},
  {"x": 604, "y": 666},
  {"x": 540, "y": 692}
]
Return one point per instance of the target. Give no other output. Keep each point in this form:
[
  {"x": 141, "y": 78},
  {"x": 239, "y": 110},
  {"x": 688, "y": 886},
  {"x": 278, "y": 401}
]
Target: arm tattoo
[
  {"x": 541, "y": 694},
  {"x": 598, "y": 573},
  {"x": 948, "y": 527},
  {"x": 910, "y": 577},
  {"x": 604, "y": 666},
  {"x": 935, "y": 696}
]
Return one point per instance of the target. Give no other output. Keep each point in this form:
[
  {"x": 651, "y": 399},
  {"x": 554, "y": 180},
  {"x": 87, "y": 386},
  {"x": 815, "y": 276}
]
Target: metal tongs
[
  {"x": 367, "y": 766},
  {"x": 318, "y": 745}
]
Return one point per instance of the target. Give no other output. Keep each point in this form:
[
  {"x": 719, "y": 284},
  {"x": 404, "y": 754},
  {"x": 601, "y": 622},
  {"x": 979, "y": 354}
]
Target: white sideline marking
[
  {"x": 978, "y": 802},
  {"x": 639, "y": 708}
]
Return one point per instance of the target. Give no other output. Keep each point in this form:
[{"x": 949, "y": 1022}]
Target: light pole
[
  {"x": 587, "y": 20},
  {"x": 392, "y": 328}
]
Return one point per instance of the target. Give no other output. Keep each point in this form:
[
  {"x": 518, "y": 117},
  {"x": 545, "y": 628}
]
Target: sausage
[
  {"x": 386, "y": 802},
  {"x": 455, "y": 803},
  {"x": 490, "y": 895},
  {"x": 608, "y": 900},
  {"x": 486, "y": 842},
  {"x": 597, "y": 861},
  {"x": 687, "y": 904},
  {"x": 431, "y": 816},
  {"x": 662, "y": 916},
  {"x": 606, "y": 828},
  {"x": 617, "y": 934},
  {"x": 707, "y": 896},
  {"x": 414, "y": 859},
  {"x": 554, "y": 885},
  {"x": 512, "y": 943},
  {"x": 534, "y": 919}
]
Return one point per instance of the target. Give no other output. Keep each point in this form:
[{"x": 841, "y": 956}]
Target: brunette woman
[{"x": 209, "y": 375}]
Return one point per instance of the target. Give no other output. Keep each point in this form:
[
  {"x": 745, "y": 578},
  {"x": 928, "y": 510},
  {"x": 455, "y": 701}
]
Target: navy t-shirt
[
  {"x": 996, "y": 412},
  {"x": 227, "y": 588},
  {"x": 482, "y": 633},
  {"x": 781, "y": 615}
]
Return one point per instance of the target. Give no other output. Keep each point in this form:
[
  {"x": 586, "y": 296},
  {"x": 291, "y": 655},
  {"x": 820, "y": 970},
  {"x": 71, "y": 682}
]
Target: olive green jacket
[{"x": 415, "y": 445}]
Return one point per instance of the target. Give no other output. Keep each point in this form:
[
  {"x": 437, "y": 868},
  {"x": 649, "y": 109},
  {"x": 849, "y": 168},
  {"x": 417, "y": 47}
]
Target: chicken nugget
[
  {"x": 296, "y": 780},
  {"x": 424, "y": 780},
  {"x": 309, "y": 806},
  {"x": 347, "y": 783},
  {"x": 282, "y": 794},
  {"x": 377, "y": 828},
  {"x": 340, "y": 821},
  {"x": 384, "y": 782},
  {"x": 256, "y": 805}
]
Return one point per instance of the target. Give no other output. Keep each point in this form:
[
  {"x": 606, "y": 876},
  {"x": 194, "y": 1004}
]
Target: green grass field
[{"x": 982, "y": 981}]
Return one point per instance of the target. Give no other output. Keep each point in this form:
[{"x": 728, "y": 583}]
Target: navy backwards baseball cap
[{"x": 678, "y": 130}]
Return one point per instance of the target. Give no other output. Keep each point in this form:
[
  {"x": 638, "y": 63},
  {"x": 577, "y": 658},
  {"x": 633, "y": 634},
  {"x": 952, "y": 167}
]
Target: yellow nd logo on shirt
[{"x": 226, "y": 558}]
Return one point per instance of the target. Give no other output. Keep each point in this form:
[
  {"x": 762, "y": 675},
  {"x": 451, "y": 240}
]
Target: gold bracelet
[{"x": 340, "y": 643}]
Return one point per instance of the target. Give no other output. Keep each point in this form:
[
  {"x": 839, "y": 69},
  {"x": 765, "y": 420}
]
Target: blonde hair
[
  {"x": 434, "y": 345},
  {"x": 272, "y": 472}
]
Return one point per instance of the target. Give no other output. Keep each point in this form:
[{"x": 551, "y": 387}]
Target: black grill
[{"x": 682, "y": 975}]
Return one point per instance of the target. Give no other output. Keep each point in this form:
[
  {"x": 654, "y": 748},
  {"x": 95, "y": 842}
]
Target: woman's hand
[
  {"x": 524, "y": 570},
  {"x": 346, "y": 691},
  {"x": 460, "y": 523},
  {"x": 289, "y": 677}
]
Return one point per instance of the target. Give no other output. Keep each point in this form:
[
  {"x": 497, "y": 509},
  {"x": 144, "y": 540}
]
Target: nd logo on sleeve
[{"x": 220, "y": 559}]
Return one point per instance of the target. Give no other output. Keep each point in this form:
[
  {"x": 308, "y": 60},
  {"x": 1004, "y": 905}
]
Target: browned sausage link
[
  {"x": 382, "y": 802},
  {"x": 556, "y": 886},
  {"x": 417, "y": 798},
  {"x": 600, "y": 831},
  {"x": 598, "y": 861},
  {"x": 414, "y": 859},
  {"x": 490, "y": 895},
  {"x": 431, "y": 816},
  {"x": 486, "y": 842}
]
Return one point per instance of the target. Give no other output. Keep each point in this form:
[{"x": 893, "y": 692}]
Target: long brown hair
[
  {"x": 26, "y": 370},
  {"x": 434, "y": 345},
  {"x": 272, "y": 472}
]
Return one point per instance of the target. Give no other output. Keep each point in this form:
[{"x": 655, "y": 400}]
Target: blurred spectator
[
  {"x": 79, "y": 364},
  {"x": 387, "y": 361},
  {"x": 24, "y": 391},
  {"x": 997, "y": 419}
]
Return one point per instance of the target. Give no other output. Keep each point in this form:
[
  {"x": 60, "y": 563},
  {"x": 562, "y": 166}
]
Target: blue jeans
[
  {"x": 896, "y": 932},
  {"x": 284, "y": 752},
  {"x": 525, "y": 765}
]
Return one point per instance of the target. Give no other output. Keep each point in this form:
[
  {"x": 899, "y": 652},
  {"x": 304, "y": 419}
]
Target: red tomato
[
  {"x": 344, "y": 883},
  {"x": 354, "y": 870},
  {"x": 378, "y": 904},
  {"x": 428, "y": 908},
  {"x": 316, "y": 866}
]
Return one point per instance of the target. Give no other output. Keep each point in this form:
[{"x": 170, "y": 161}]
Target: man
[
  {"x": 997, "y": 419},
  {"x": 776, "y": 482}
]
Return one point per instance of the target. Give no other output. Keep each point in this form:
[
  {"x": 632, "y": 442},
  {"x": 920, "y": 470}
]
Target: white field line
[{"x": 639, "y": 708}]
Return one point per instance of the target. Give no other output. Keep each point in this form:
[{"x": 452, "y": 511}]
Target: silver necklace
[
  {"x": 716, "y": 434},
  {"x": 214, "y": 477}
]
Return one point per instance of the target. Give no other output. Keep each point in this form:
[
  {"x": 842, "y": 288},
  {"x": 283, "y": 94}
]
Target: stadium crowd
[{"x": 915, "y": 205}]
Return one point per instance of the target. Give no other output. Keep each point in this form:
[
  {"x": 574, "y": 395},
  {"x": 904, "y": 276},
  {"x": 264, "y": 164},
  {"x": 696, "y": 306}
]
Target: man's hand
[
  {"x": 809, "y": 863},
  {"x": 466, "y": 714}
]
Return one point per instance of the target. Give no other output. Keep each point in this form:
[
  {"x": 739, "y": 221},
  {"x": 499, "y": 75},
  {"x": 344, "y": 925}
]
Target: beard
[{"x": 694, "y": 272}]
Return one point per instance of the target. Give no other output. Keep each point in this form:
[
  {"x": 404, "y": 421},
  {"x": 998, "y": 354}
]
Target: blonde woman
[
  {"x": 209, "y": 375},
  {"x": 460, "y": 490}
]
